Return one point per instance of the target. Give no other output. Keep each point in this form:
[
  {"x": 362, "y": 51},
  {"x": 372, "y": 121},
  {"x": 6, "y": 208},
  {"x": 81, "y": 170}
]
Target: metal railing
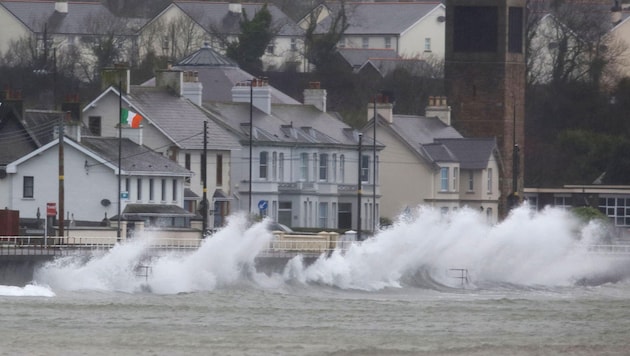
[{"x": 28, "y": 245}]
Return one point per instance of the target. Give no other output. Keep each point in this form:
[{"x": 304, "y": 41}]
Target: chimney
[
  {"x": 170, "y": 79},
  {"x": 135, "y": 135},
  {"x": 114, "y": 76},
  {"x": 235, "y": 8},
  {"x": 61, "y": 6},
  {"x": 384, "y": 108},
  {"x": 72, "y": 128},
  {"x": 438, "y": 107},
  {"x": 192, "y": 88},
  {"x": 72, "y": 105},
  {"x": 315, "y": 96},
  {"x": 12, "y": 98},
  {"x": 260, "y": 92}
]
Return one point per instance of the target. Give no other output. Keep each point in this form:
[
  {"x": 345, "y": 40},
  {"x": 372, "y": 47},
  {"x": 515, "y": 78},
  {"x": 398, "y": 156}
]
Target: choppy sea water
[{"x": 533, "y": 289}]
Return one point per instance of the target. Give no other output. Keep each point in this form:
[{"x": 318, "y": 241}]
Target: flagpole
[{"x": 119, "y": 153}]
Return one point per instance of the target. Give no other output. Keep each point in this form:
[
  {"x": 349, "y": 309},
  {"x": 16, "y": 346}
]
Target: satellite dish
[
  {"x": 441, "y": 18},
  {"x": 105, "y": 202}
]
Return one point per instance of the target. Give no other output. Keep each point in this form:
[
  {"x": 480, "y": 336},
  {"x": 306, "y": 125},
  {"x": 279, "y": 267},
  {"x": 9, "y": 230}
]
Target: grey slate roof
[
  {"x": 22, "y": 135},
  {"x": 391, "y": 18},
  {"x": 287, "y": 124},
  {"x": 472, "y": 153},
  {"x": 215, "y": 15},
  {"x": 357, "y": 57},
  {"x": 218, "y": 75},
  {"x": 135, "y": 158},
  {"x": 422, "y": 130},
  {"x": 179, "y": 118},
  {"x": 34, "y": 14}
]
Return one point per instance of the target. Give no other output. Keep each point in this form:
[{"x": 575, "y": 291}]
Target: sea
[{"x": 430, "y": 284}]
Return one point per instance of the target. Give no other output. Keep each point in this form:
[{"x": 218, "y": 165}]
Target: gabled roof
[
  {"x": 21, "y": 135},
  {"x": 383, "y": 18},
  {"x": 34, "y": 14},
  {"x": 219, "y": 75},
  {"x": 471, "y": 153},
  {"x": 356, "y": 57},
  {"x": 385, "y": 66},
  {"x": 135, "y": 159},
  {"x": 287, "y": 124},
  {"x": 215, "y": 16},
  {"x": 181, "y": 120}
]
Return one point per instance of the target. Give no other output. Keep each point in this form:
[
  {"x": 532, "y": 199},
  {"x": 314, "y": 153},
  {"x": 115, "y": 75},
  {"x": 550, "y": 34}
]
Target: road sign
[
  {"x": 262, "y": 205},
  {"x": 124, "y": 195},
  {"x": 51, "y": 209}
]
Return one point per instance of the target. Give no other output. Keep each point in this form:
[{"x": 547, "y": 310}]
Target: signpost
[
  {"x": 51, "y": 211},
  {"x": 262, "y": 206}
]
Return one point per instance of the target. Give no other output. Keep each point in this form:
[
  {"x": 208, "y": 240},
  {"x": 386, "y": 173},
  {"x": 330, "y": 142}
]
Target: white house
[
  {"x": 216, "y": 23},
  {"x": 303, "y": 163},
  {"x": 411, "y": 29},
  {"x": 149, "y": 182},
  {"x": 173, "y": 125},
  {"x": 427, "y": 162}
]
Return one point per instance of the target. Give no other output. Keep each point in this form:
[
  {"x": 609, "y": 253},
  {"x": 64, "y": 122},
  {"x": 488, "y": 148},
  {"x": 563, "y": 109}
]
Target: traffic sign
[
  {"x": 51, "y": 209},
  {"x": 262, "y": 205}
]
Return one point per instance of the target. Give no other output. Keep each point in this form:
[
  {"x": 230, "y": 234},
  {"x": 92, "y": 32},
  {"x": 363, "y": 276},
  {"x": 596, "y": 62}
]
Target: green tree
[
  {"x": 255, "y": 36},
  {"x": 320, "y": 45}
]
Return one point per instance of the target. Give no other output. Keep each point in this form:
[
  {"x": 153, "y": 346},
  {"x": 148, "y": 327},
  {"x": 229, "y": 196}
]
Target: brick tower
[{"x": 485, "y": 80}]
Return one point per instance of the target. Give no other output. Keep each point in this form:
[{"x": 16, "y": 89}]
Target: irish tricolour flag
[{"x": 130, "y": 118}]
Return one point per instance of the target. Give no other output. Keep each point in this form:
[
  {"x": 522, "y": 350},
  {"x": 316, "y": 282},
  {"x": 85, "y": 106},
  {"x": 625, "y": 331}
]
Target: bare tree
[
  {"x": 108, "y": 41},
  {"x": 175, "y": 38},
  {"x": 570, "y": 42},
  {"x": 320, "y": 45}
]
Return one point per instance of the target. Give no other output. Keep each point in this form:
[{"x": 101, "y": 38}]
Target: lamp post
[
  {"x": 374, "y": 172},
  {"x": 515, "y": 157},
  {"x": 359, "y": 191},
  {"x": 251, "y": 132}
]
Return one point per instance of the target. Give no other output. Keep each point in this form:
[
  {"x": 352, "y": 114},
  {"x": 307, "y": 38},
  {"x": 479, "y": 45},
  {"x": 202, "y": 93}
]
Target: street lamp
[
  {"x": 359, "y": 191},
  {"x": 251, "y": 132}
]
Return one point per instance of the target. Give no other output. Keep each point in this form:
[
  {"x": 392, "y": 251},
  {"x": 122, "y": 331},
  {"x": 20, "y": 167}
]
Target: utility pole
[
  {"x": 251, "y": 132},
  {"x": 118, "y": 233},
  {"x": 61, "y": 179},
  {"x": 374, "y": 172},
  {"x": 359, "y": 192},
  {"x": 204, "y": 177}
]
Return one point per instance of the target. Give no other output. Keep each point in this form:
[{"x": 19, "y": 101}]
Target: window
[
  {"x": 489, "y": 180},
  {"x": 304, "y": 166},
  {"x": 334, "y": 166},
  {"x": 444, "y": 179},
  {"x": 281, "y": 166},
  {"x": 293, "y": 44},
  {"x": 342, "y": 168},
  {"x": 151, "y": 189},
  {"x": 388, "y": 42},
  {"x": 174, "y": 189},
  {"x": 515, "y": 29},
  {"x": 562, "y": 201},
  {"x": 323, "y": 215},
  {"x": 274, "y": 166},
  {"x": 219, "y": 175},
  {"x": 139, "y": 189},
  {"x": 365, "y": 168},
  {"x": 163, "y": 198},
  {"x": 271, "y": 47},
  {"x": 475, "y": 28},
  {"x": 323, "y": 167},
  {"x": 187, "y": 165},
  {"x": 427, "y": 44},
  {"x": 365, "y": 42},
  {"x": 314, "y": 166},
  {"x": 284, "y": 213},
  {"x": 28, "y": 188},
  {"x": 455, "y": 178},
  {"x": 471, "y": 181},
  {"x": 263, "y": 165},
  {"x": 127, "y": 187},
  {"x": 94, "y": 125}
]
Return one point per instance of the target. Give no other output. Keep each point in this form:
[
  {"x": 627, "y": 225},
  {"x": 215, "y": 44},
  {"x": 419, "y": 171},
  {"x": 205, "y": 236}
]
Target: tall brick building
[{"x": 485, "y": 80}]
